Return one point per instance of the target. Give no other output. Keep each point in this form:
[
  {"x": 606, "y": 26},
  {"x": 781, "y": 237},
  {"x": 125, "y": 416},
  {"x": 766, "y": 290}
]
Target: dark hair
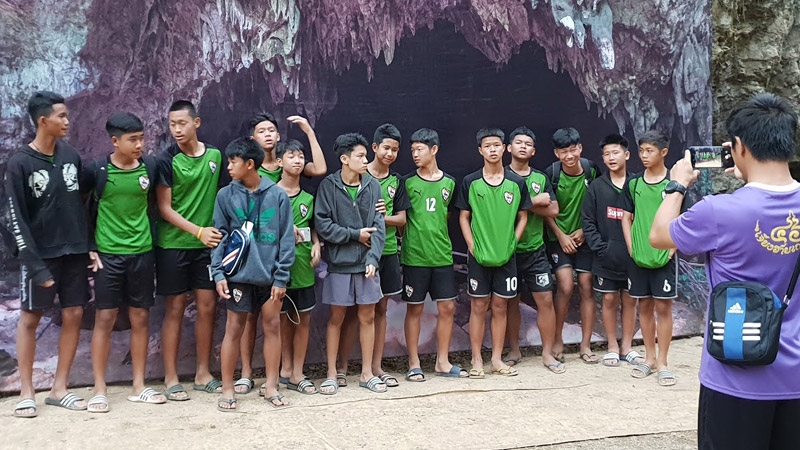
[
  {"x": 41, "y": 104},
  {"x": 386, "y": 131},
  {"x": 614, "y": 139},
  {"x": 523, "y": 131},
  {"x": 655, "y": 138},
  {"x": 767, "y": 125},
  {"x": 425, "y": 136},
  {"x": 258, "y": 118},
  {"x": 245, "y": 148},
  {"x": 292, "y": 145},
  {"x": 122, "y": 123},
  {"x": 566, "y": 137},
  {"x": 184, "y": 105},
  {"x": 345, "y": 143},
  {"x": 490, "y": 132}
]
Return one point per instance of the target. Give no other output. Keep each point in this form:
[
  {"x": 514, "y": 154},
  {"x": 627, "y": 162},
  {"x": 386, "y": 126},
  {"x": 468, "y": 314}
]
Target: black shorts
[
  {"x": 71, "y": 279},
  {"x": 389, "y": 270},
  {"x": 533, "y": 271},
  {"x": 607, "y": 285},
  {"x": 580, "y": 261},
  {"x": 304, "y": 300},
  {"x": 658, "y": 283},
  {"x": 485, "y": 281},
  {"x": 247, "y": 298},
  {"x": 725, "y": 422},
  {"x": 440, "y": 282},
  {"x": 179, "y": 271},
  {"x": 126, "y": 280}
]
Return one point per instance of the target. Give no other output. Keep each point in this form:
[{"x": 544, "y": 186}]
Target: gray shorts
[{"x": 348, "y": 289}]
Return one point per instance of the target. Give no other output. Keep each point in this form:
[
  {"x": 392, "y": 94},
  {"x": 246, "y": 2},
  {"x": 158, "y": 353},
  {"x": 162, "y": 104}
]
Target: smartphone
[
  {"x": 305, "y": 234},
  {"x": 711, "y": 157}
]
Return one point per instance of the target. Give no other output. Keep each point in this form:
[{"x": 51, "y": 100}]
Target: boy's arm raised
[{"x": 317, "y": 167}]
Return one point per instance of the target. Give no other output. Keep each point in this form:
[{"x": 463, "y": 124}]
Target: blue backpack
[{"x": 238, "y": 244}]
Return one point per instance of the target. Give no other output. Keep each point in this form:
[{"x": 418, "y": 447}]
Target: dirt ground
[{"x": 588, "y": 407}]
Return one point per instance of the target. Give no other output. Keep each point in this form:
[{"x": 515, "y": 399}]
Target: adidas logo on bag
[{"x": 736, "y": 309}]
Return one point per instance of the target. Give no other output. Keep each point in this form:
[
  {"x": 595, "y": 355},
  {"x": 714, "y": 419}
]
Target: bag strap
[{"x": 792, "y": 282}]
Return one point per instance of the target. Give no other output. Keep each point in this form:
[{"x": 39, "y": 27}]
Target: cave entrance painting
[{"x": 598, "y": 65}]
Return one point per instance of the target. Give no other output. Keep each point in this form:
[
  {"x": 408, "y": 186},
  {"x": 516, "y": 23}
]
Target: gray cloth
[{"x": 348, "y": 289}]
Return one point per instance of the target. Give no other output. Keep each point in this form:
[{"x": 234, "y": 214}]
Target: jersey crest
[{"x": 508, "y": 196}]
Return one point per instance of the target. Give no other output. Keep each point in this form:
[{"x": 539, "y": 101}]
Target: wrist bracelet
[{"x": 200, "y": 232}]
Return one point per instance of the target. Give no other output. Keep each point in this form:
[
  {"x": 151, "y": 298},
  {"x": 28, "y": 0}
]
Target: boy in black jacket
[
  {"x": 52, "y": 243},
  {"x": 354, "y": 233},
  {"x": 602, "y": 229}
]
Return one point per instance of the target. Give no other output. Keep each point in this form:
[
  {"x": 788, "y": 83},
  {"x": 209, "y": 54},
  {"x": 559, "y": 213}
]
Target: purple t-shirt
[{"x": 750, "y": 235}]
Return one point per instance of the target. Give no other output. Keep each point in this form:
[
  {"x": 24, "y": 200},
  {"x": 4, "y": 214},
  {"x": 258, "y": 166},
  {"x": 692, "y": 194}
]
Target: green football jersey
[
  {"x": 274, "y": 175},
  {"x": 394, "y": 196},
  {"x": 301, "y": 272},
  {"x": 194, "y": 182},
  {"x": 426, "y": 242},
  {"x": 494, "y": 213},
  {"x": 123, "y": 226},
  {"x": 533, "y": 237},
  {"x": 643, "y": 199},
  {"x": 570, "y": 193}
]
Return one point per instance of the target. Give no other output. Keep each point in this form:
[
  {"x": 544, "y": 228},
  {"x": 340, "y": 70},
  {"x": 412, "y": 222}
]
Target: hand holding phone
[{"x": 711, "y": 157}]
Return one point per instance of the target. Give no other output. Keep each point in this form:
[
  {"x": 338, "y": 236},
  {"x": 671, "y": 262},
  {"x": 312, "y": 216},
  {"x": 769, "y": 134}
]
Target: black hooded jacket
[{"x": 602, "y": 228}]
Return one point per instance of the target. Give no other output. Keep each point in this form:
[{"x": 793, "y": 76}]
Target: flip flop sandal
[
  {"x": 505, "y": 371},
  {"x": 511, "y": 362},
  {"x": 26, "y": 403},
  {"x": 173, "y": 391},
  {"x": 247, "y": 383},
  {"x": 231, "y": 402},
  {"x": 212, "y": 387},
  {"x": 373, "y": 384},
  {"x": 389, "y": 380},
  {"x": 455, "y": 372},
  {"x": 148, "y": 395},
  {"x": 329, "y": 383},
  {"x": 632, "y": 356},
  {"x": 302, "y": 386},
  {"x": 642, "y": 371},
  {"x": 666, "y": 378},
  {"x": 279, "y": 398},
  {"x": 100, "y": 400},
  {"x": 477, "y": 373},
  {"x": 68, "y": 401},
  {"x": 341, "y": 379},
  {"x": 587, "y": 358},
  {"x": 556, "y": 367},
  {"x": 262, "y": 390},
  {"x": 611, "y": 359},
  {"x": 283, "y": 380},
  {"x": 415, "y": 372},
  {"x": 560, "y": 357}
]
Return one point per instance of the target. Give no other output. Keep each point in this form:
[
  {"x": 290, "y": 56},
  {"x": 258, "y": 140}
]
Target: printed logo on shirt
[
  {"x": 473, "y": 284},
  {"x": 542, "y": 279},
  {"x": 614, "y": 213},
  {"x": 783, "y": 239},
  {"x": 536, "y": 187},
  {"x": 303, "y": 210},
  {"x": 445, "y": 194},
  {"x": 70, "y": 173},
  {"x": 213, "y": 166},
  {"x": 736, "y": 309},
  {"x": 391, "y": 191},
  {"x": 409, "y": 291},
  {"x": 508, "y": 196},
  {"x": 237, "y": 295},
  {"x": 38, "y": 181},
  {"x": 144, "y": 182}
]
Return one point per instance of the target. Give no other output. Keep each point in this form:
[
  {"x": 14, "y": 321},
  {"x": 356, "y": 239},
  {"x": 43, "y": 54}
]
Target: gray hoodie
[
  {"x": 339, "y": 220},
  {"x": 271, "y": 252}
]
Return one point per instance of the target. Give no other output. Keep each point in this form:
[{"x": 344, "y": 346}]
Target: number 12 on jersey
[{"x": 430, "y": 204}]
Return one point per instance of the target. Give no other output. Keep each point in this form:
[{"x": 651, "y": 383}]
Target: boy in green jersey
[
  {"x": 570, "y": 176},
  {"x": 190, "y": 173},
  {"x": 393, "y": 205},
  {"x": 653, "y": 277},
  {"x": 427, "y": 255},
  {"x": 301, "y": 298},
  {"x": 494, "y": 204},
  {"x": 533, "y": 267},
  {"x": 121, "y": 195},
  {"x": 257, "y": 206},
  {"x": 264, "y": 130}
]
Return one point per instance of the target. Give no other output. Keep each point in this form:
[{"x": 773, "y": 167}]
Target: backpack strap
[
  {"x": 588, "y": 170},
  {"x": 555, "y": 169}
]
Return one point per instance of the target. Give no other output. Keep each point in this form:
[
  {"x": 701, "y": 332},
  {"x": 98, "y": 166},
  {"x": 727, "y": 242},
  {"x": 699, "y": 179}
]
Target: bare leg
[
  {"x": 206, "y": 303},
  {"x": 563, "y": 295},
  {"x": 349, "y": 335},
  {"x": 271, "y": 322},
  {"x": 332, "y": 341},
  {"x": 512, "y": 330},
  {"x": 287, "y": 347},
  {"x": 477, "y": 322},
  {"x": 444, "y": 332},
  {"x": 380, "y": 335},
  {"x": 588, "y": 310},
  {"x": 229, "y": 353},
  {"x": 248, "y": 345},
  {"x": 366, "y": 319},
  {"x": 664, "y": 326},
  {"x": 412, "y": 329},
  {"x": 300, "y": 347},
  {"x": 140, "y": 336},
  {"x": 101, "y": 344},
  {"x": 498, "y": 329},
  {"x": 546, "y": 321},
  {"x": 647, "y": 321},
  {"x": 610, "y": 304},
  {"x": 628, "y": 317},
  {"x": 67, "y": 346},
  {"x": 171, "y": 338},
  {"x": 26, "y": 352}
]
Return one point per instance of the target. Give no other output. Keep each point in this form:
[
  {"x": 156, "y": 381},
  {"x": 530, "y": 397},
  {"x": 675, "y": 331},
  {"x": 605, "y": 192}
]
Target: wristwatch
[{"x": 674, "y": 186}]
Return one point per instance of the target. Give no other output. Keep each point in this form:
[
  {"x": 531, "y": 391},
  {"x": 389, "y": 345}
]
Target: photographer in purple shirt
[{"x": 750, "y": 235}]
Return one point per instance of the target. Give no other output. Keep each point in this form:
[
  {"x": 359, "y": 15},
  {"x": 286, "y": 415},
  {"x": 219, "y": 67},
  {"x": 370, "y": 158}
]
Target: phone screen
[{"x": 711, "y": 157}]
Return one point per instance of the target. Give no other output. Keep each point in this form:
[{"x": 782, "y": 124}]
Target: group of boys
[{"x": 69, "y": 219}]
